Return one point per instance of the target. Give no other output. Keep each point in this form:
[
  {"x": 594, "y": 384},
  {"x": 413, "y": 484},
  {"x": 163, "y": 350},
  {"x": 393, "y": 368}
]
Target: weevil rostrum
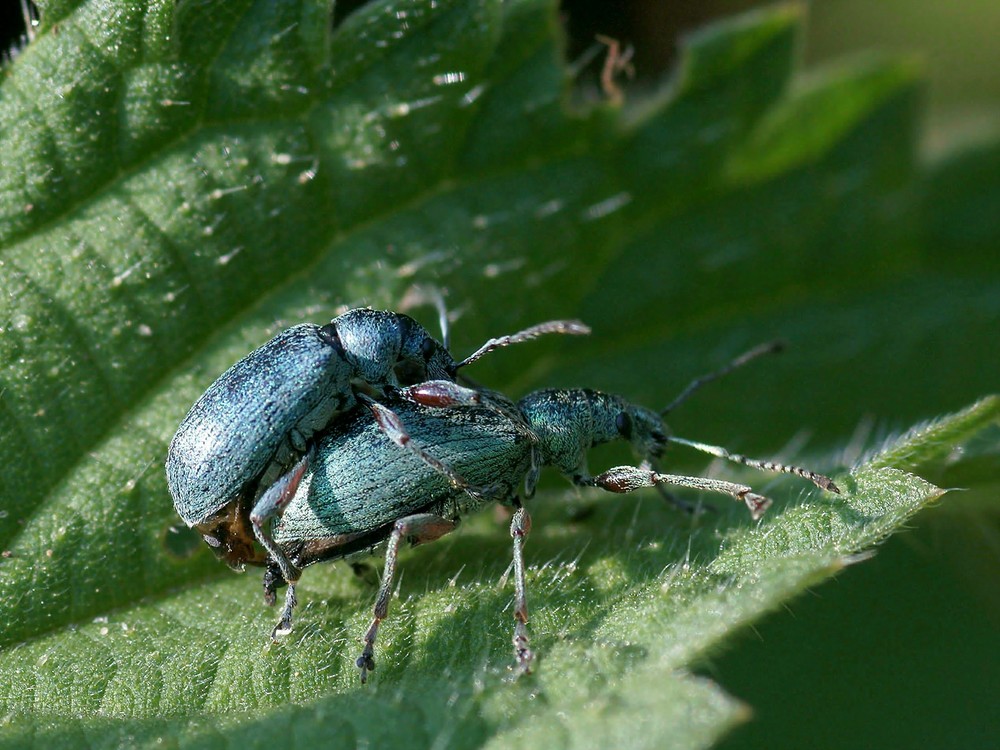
[
  {"x": 259, "y": 416},
  {"x": 428, "y": 467}
]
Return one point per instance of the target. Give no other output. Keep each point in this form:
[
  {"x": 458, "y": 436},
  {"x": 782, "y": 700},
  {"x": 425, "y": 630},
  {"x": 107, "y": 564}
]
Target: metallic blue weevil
[
  {"x": 259, "y": 416},
  {"x": 425, "y": 468}
]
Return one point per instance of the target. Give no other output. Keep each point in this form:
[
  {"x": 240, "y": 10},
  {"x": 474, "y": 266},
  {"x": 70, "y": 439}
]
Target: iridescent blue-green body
[
  {"x": 409, "y": 473},
  {"x": 258, "y": 417},
  {"x": 303, "y": 452},
  {"x": 360, "y": 482},
  {"x": 260, "y": 410}
]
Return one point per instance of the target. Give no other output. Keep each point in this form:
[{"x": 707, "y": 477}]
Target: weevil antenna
[
  {"x": 820, "y": 480},
  {"x": 771, "y": 347},
  {"x": 568, "y": 327},
  {"x": 442, "y": 310}
]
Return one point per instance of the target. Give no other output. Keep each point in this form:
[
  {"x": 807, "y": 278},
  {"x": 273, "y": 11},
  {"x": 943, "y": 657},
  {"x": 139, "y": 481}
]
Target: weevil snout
[
  {"x": 644, "y": 429},
  {"x": 421, "y": 357}
]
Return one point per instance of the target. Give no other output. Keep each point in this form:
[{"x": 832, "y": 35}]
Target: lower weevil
[
  {"x": 258, "y": 418},
  {"x": 455, "y": 460}
]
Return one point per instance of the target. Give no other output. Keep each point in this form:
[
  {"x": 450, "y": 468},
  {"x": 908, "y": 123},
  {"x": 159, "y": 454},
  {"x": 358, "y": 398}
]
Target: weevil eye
[
  {"x": 623, "y": 423},
  {"x": 427, "y": 348}
]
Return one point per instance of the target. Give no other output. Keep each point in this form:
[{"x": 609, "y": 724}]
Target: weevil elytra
[
  {"x": 440, "y": 464},
  {"x": 259, "y": 416}
]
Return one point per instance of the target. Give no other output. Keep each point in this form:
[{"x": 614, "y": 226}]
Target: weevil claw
[
  {"x": 366, "y": 663},
  {"x": 757, "y": 504}
]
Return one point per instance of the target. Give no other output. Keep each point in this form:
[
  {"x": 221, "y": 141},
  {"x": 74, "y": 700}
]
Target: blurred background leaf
[{"x": 179, "y": 182}]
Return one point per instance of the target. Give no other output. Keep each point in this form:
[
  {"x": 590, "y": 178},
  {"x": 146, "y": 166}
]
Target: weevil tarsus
[{"x": 284, "y": 626}]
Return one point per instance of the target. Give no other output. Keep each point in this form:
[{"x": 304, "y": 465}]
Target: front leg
[
  {"x": 416, "y": 529},
  {"x": 628, "y": 478},
  {"x": 271, "y": 504},
  {"x": 440, "y": 394},
  {"x": 273, "y": 580},
  {"x": 392, "y": 427},
  {"x": 520, "y": 525}
]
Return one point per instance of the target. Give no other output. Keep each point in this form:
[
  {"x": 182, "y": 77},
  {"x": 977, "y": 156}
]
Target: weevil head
[
  {"x": 569, "y": 422},
  {"x": 642, "y": 428},
  {"x": 387, "y": 348},
  {"x": 228, "y": 532},
  {"x": 421, "y": 356}
]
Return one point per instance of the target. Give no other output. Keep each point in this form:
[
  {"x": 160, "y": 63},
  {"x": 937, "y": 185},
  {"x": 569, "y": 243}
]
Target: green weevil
[
  {"x": 409, "y": 473},
  {"x": 259, "y": 416}
]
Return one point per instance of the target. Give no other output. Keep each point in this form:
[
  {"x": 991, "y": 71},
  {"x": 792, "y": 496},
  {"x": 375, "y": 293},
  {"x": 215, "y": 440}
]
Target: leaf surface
[{"x": 183, "y": 180}]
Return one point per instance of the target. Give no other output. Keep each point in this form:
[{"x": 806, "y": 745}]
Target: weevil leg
[
  {"x": 520, "y": 525},
  {"x": 416, "y": 529},
  {"x": 272, "y": 581},
  {"x": 628, "y": 478},
  {"x": 440, "y": 394},
  {"x": 272, "y": 503},
  {"x": 284, "y": 626},
  {"x": 823, "y": 482},
  {"x": 392, "y": 426}
]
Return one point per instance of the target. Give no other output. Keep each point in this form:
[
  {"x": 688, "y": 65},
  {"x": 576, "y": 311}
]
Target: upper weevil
[
  {"x": 257, "y": 418},
  {"x": 355, "y": 489}
]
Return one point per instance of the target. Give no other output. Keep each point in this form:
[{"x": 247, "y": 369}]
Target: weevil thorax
[
  {"x": 387, "y": 348},
  {"x": 569, "y": 422}
]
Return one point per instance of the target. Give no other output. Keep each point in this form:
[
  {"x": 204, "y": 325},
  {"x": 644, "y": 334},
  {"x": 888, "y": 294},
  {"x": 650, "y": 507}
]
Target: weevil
[
  {"x": 259, "y": 416},
  {"x": 456, "y": 460}
]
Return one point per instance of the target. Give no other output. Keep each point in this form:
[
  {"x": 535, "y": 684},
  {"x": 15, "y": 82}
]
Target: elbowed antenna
[
  {"x": 820, "y": 480},
  {"x": 568, "y": 327},
  {"x": 771, "y": 347}
]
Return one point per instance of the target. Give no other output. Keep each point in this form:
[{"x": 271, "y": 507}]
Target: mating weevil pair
[
  {"x": 260, "y": 415},
  {"x": 424, "y": 468}
]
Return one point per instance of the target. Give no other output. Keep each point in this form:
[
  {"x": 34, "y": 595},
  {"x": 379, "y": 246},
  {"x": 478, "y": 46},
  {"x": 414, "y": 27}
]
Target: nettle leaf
[{"x": 182, "y": 180}]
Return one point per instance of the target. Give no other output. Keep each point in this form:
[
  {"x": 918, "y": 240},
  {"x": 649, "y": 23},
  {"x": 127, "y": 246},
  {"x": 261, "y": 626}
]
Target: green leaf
[{"x": 181, "y": 180}]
